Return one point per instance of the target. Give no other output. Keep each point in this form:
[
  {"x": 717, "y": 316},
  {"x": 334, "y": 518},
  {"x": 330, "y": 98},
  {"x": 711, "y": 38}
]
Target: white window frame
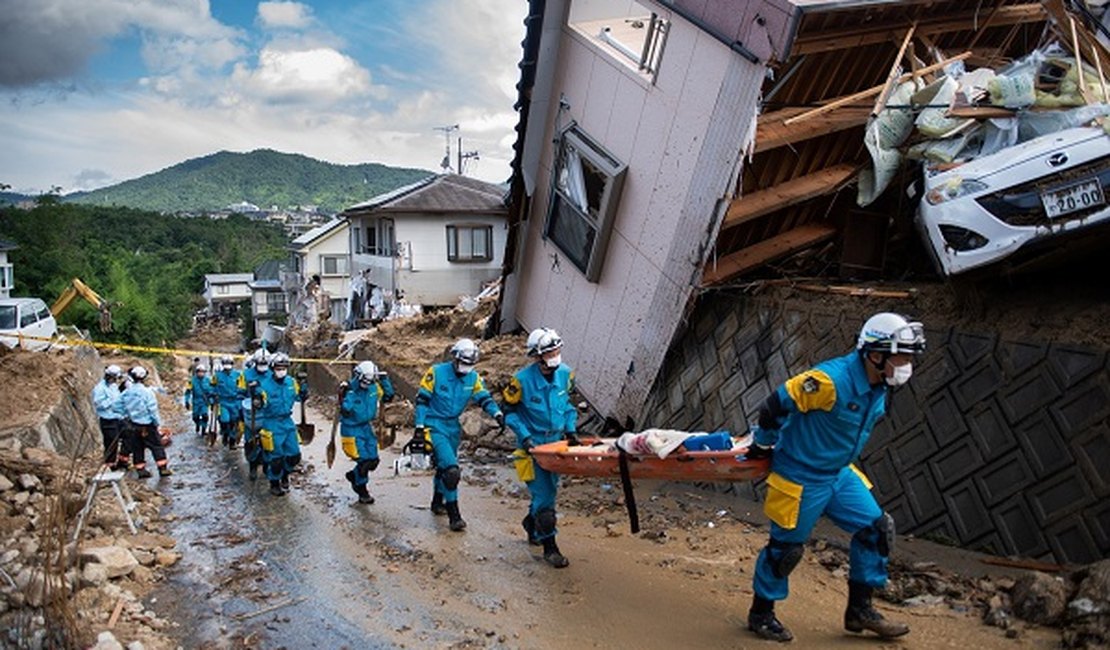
[
  {"x": 381, "y": 229},
  {"x": 7, "y": 276},
  {"x": 456, "y": 235},
  {"x": 629, "y": 31},
  {"x": 340, "y": 265},
  {"x": 586, "y": 187},
  {"x": 275, "y": 299}
]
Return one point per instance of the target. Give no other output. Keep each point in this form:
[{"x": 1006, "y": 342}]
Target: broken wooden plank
[
  {"x": 756, "y": 255},
  {"x": 1033, "y": 565},
  {"x": 771, "y": 132},
  {"x": 863, "y": 94},
  {"x": 851, "y": 37},
  {"x": 980, "y": 112},
  {"x": 891, "y": 76},
  {"x": 756, "y": 204}
]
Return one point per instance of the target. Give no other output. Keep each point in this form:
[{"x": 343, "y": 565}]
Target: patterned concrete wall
[{"x": 1001, "y": 446}]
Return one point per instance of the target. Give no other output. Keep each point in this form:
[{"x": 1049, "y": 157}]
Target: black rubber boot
[
  {"x": 252, "y": 472},
  {"x": 438, "y": 508},
  {"x": 762, "y": 621},
  {"x": 350, "y": 476},
  {"x": 551, "y": 554},
  {"x": 529, "y": 524},
  {"x": 275, "y": 488},
  {"x": 861, "y": 616},
  {"x": 285, "y": 482},
  {"x": 165, "y": 471},
  {"x": 455, "y": 520},
  {"x": 364, "y": 495}
]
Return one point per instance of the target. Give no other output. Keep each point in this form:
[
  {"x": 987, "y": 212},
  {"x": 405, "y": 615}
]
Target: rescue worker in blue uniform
[
  {"x": 106, "y": 400},
  {"x": 281, "y": 451},
  {"x": 539, "y": 410},
  {"x": 226, "y": 387},
  {"x": 445, "y": 390},
  {"x": 362, "y": 398},
  {"x": 142, "y": 410},
  {"x": 816, "y": 424},
  {"x": 199, "y": 396},
  {"x": 255, "y": 368}
]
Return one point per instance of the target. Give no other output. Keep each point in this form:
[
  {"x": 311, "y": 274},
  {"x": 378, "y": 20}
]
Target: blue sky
[{"x": 95, "y": 92}]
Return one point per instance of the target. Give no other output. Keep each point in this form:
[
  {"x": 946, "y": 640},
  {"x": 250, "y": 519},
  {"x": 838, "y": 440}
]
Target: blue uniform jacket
[
  {"x": 198, "y": 391},
  {"x": 106, "y": 400},
  {"x": 245, "y": 378},
  {"x": 830, "y": 411},
  {"x": 140, "y": 405},
  {"x": 278, "y": 397},
  {"x": 444, "y": 395},
  {"x": 360, "y": 405},
  {"x": 226, "y": 385},
  {"x": 538, "y": 408}
]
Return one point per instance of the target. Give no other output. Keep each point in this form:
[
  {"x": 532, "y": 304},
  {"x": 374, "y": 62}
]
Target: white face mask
[
  {"x": 280, "y": 373},
  {"x": 261, "y": 367},
  {"x": 899, "y": 374},
  {"x": 463, "y": 368},
  {"x": 554, "y": 361}
]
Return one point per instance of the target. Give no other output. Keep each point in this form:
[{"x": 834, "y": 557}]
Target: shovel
[
  {"x": 330, "y": 451},
  {"x": 306, "y": 431}
]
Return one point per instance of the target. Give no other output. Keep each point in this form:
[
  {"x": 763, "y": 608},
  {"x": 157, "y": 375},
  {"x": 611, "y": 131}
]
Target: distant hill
[
  {"x": 13, "y": 198},
  {"x": 263, "y": 177}
]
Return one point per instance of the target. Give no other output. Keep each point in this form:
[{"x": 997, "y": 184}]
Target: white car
[
  {"x": 1014, "y": 200},
  {"x": 21, "y": 317}
]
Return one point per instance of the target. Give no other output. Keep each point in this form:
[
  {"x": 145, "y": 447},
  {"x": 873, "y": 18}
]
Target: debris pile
[{"x": 56, "y": 593}]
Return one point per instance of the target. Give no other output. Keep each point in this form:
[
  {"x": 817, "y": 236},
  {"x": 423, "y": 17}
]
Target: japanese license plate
[{"x": 1072, "y": 198}]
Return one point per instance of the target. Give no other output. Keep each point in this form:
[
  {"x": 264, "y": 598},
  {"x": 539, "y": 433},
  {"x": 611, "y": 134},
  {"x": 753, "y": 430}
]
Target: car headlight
[
  {"x": 953, "y": 189},
  {"x": 962, "y": 239}
]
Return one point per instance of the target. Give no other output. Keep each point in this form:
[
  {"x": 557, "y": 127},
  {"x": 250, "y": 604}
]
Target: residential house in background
[
  {"x": 322, "y": 253},
  {"x": 7, "y": 277},
  {"x": 268, "y": 303},
  {"x": 431, "y": 242},
  {"x": 224, "y": 292}
]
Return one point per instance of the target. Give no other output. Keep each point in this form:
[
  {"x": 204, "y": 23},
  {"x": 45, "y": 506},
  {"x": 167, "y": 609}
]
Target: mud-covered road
[{"x": 316, "y": 570}]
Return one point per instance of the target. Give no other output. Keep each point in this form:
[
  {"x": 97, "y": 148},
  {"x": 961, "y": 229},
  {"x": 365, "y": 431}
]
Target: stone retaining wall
[{"x": 998, "y": 445}]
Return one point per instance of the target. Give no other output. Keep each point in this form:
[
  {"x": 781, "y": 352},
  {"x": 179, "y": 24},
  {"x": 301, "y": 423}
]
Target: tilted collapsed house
[{"x": 655, "y": 160}]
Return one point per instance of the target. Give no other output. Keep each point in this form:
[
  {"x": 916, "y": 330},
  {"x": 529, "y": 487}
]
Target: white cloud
[
  {"x": 315, "y": 76},
  {"x": 284, "y": 15}
]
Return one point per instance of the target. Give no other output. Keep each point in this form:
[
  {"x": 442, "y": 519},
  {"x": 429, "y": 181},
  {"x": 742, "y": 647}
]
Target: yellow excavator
[{"x": 77, "y": 288}]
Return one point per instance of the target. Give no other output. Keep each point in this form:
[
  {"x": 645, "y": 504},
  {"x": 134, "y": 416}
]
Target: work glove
[
  {"x": 572, "y": 439},
  {"x": 388, "y": 398},
  {"x": 527, "y": 444},
  {"x": 758, "y": 452},
  {"x": 252, "y": 386},
  {"x": 256, "y": 401},
  {"x": 212, "y": 400},
  {"x": 304, "y": 392},
  {"x": 499, "y": 418},
  {"x": 343, "y": 386}
]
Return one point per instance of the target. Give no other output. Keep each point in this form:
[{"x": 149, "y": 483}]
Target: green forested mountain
[
  {"x": 152, "y": 264},
  {"x": 264, "y": 177}
]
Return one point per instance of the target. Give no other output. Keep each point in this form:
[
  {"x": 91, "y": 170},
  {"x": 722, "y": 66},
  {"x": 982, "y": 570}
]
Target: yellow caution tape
[{"x": 179, "y": 352}]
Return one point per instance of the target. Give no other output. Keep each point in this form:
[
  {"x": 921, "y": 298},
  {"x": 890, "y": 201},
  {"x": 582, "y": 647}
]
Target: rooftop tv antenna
[{"x": 445, "y": 164}]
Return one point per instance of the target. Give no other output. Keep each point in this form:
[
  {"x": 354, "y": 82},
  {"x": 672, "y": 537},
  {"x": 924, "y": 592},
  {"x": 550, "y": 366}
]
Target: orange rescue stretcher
[{"x": 600, "y": 457}]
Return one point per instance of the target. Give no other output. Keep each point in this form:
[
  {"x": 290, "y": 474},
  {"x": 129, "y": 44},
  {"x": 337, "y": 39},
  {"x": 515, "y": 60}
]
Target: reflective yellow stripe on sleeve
[
  {"x": 811, "y": 390},
  {"x": 512, "y": 392},
  {"x": 428, "y": 381}
]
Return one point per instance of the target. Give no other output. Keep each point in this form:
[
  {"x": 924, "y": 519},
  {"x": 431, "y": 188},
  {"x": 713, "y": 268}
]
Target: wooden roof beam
[
  {"x": 827, "y": 41},
  {"x": 796, "y": 190},
  {"x": 756, "y": 255},
  {"x": 771, "y": 132}
]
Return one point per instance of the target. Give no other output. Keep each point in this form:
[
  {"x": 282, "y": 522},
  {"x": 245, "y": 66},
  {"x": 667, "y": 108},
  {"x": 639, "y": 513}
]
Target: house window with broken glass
[
  {"x": 586, "y": 189},
  {"x": 469, "y": 243}
]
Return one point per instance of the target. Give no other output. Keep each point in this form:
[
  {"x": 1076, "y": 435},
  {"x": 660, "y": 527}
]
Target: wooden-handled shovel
[
  {"x": 306, "y": 430},
  {"x": 330, "y": 451}
]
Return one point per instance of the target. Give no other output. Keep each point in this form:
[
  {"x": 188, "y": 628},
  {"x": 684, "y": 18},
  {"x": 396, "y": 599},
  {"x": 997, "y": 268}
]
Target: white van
[{"x": 26, "y": 317}]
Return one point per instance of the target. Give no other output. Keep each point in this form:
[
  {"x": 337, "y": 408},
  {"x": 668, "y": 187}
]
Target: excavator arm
[{"x": 76, "y": 289}]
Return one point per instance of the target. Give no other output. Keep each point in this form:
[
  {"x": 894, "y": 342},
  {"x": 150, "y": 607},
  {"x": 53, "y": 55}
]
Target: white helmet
[
  {"x": 280, "y": 360},
  {"x": 200, "y": 370},
  {"x": 261, "y": 358},
  {"x": 113, "y": 371},
  {"x": 465, "y": 352},
  {"x": 543, "y": 340},
  {"x": 366, "y": 373},
  {"x": 891, "y": 334},
  {"x": 227, "y": 362},
  {"x": 138, "y": 373}
]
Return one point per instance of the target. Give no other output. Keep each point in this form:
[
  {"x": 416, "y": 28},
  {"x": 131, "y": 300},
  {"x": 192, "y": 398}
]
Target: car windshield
[{"x": 7, "y": 317}]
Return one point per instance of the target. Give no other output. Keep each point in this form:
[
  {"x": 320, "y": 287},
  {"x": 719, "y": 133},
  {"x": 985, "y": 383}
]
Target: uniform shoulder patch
[
  {"x": 428, "y": 382},
  {"x": 812, "y": 390},
  {"x": 810, "y": 385},
  {"x": 512, "y": 393}
]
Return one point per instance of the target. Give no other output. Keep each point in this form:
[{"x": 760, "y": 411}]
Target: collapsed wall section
[
  {"x": 998, "y": 443},
  {"x": 47, "y": 401}
]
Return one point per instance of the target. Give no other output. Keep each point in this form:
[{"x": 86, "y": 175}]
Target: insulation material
[{"x": 884, "y": 135}]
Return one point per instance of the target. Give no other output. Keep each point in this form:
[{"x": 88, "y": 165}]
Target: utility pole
[
  {"x": 464, "y": 156},
  {"x": 445, "y": 164}
]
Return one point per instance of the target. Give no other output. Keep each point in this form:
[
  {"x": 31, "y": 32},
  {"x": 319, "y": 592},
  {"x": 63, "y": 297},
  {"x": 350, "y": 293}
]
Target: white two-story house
[
  {"x": 224, "y": 291},
  {"x": 430, "y": 243},
  {"x": 318, "y": 283}
]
